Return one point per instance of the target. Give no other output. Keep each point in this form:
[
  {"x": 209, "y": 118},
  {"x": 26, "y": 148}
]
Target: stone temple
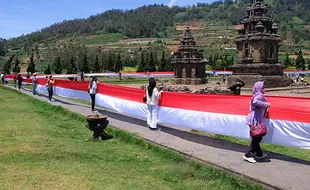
[
  {"x": 257, "y": 50},
  {"x": 189, "y": 65}
]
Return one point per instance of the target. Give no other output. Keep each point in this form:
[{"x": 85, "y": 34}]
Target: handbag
[{"x": 258, "y": 131}]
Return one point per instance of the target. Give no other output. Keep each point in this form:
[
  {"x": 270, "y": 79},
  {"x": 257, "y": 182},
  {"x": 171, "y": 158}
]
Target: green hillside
[{"x": 154, "y": 29}]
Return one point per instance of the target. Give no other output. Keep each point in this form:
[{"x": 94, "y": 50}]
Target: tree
[
  {"x": 48, "y": 70},
  {"x": 118, "y": 65},
  {"x": 31, "y": 67},
  {"x": 57, "y": 65},
  {"x": 300, "y": 61},
  {"x": 103, "y": 62},
  {"x": 141, "y": 66},
  {"x": 85, "y": 67},
  {"x": 287, "y": 61},
  {"x": 163, "y": 62},
  {"x": 7, "y": 66},
  {"x": 2, "y": 51},
  {"x": 152, "y": 67},
  {"x": 72, "y": 67},
  {"x": 97, "y": 65},
  {"x": 16, "y": 68},
  {"x": 110, "y": 65}
]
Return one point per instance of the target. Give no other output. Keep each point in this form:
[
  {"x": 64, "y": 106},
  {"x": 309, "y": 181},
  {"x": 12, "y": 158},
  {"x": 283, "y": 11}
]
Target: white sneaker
[
  {"x": 49, "y": 101},
  {"x": 261, "y": 157},
  {"x": 249, "y": 159}
]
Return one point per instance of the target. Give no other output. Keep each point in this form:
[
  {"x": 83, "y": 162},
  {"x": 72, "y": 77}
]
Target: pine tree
[
  {"x": 85, "y": 67},
  {"x": 163, "y": 63},
  {"x": 31, "y": 67},
  {"x": 110, "y": 65},
  {"x": 147, "y": 62},
  {"x": 7, "y": 66},
  {"x": 141, "y": 66},
  {"x": 57, "y": 65},
  {"x": 118, "y": 65},
  {"x": 2, "y": 51},
  {"x": 287, "y": 61},
  {"x": 103, "y": 62},
  {"x": 72, "y": 68},
  {"x": 169, "y": 65},
  {"x": 16, "y": 68},
  {"x": 300, "y": 61},
  {"x": 97, "y": 65},
  {"x": 152, "y": 67},
  {"x": 48, "y": 70}
]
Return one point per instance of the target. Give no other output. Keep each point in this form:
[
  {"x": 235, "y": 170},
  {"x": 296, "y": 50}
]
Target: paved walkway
[{"x": 277, "y": 172}]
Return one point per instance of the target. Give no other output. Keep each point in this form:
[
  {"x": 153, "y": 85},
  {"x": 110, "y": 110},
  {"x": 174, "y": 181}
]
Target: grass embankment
[{"x": 43, "y": 146}]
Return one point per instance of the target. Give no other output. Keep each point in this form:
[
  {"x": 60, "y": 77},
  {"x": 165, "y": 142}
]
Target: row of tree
[
  {"x": 299, "y": 62},
  {"x": 87, "y": 61}
]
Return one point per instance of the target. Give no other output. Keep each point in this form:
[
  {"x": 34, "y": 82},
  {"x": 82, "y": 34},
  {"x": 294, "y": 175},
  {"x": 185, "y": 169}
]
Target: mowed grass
[{"x": 44, "y": 147}]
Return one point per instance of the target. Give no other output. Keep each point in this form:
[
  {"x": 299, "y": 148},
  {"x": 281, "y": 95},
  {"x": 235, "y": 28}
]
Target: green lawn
[{"x": 44, "y": 147}]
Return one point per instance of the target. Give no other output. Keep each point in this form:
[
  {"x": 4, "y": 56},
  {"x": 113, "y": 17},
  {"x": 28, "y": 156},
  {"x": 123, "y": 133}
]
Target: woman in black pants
[
  {"x": 19, "y": 81},
  {"x": 92, "y": 90}
]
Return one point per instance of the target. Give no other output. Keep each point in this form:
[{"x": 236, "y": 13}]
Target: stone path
[{"x": 277, "y": 172}]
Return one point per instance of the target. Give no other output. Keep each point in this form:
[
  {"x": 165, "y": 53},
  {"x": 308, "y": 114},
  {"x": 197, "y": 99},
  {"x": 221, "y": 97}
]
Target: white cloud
[{"x": 171, "y": 3}]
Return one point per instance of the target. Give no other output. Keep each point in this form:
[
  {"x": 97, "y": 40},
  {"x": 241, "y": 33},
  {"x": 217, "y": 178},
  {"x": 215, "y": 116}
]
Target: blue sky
[{"x": 19, "y": 17}]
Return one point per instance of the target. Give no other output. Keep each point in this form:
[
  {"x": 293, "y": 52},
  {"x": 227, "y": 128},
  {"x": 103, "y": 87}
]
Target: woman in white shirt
[
  {"x": 92, "y": 90},
  {"x": 152, "y": 97}
]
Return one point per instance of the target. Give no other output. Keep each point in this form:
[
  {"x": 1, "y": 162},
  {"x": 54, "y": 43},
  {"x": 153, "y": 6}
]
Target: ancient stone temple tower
[
  {"x": 189, "y": 65},
  {"x": 257, "y": 49}
]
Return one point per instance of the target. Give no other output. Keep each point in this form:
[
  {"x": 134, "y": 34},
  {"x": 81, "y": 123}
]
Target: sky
[{"x": 19, "y": 17}]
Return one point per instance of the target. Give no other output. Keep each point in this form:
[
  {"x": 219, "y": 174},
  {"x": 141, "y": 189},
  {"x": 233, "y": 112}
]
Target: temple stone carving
[
  {"x": 189, "y": 65},
  {"x": 257, "y": 49}
]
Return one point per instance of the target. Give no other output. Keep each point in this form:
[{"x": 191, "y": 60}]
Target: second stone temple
[{"x": 189, "y": 65}]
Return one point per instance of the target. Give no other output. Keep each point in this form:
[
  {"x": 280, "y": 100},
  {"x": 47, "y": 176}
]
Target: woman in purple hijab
[{"x": 258, "y": 107}]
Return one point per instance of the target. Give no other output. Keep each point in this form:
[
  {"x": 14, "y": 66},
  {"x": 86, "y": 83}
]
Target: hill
[{"x": 157, "y": 28}]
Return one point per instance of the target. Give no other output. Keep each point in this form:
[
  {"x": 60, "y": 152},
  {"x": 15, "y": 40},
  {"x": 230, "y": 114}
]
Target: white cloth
[
  {"x": 2, "y": 76},
  {"x": 152, "y": 116},
  {"x": 92, "y": 89},
  {"x": 153, "y": 100}
]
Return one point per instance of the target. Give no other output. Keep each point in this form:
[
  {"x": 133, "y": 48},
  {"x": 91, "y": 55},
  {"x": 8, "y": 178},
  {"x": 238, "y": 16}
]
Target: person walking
[
  {"x": 258, "y": 108},
  {"x": 50, "y": 86},
  {"x": 34, "y": 84},
  {"x": 82, "y": 76},
  {"x": 92, "y": 90},
  {"x": 152, "y": 97},
  {"x": 19, "y": 81}
]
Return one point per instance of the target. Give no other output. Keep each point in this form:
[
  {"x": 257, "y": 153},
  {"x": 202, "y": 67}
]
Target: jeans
[
  {"x": 152, "y": 116},
  {"x": 255, "y": 147},
  {"x": 93, "y": 101},
  {"x": 50, "y": 93},
  {"x": 34, "y": 89}
]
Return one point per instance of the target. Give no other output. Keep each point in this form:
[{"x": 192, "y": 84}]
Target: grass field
[{"x": 44, "y": 147}]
